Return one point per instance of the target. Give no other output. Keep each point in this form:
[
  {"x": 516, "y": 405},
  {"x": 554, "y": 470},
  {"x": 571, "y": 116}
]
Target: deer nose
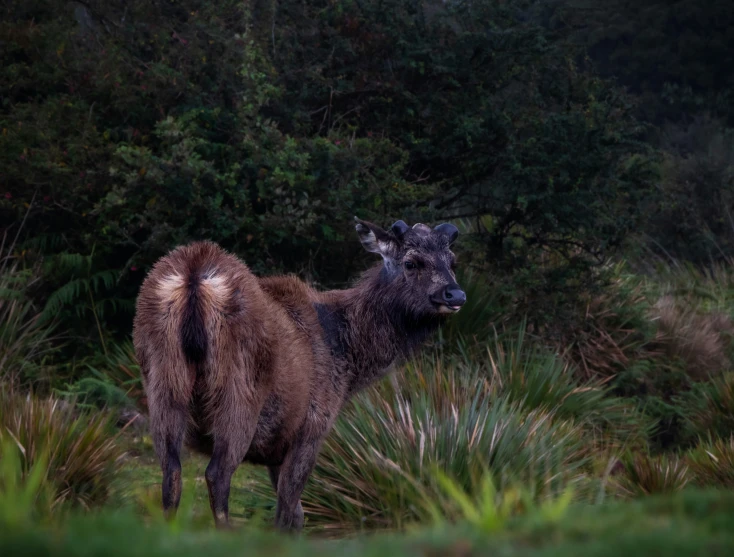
[{"x": 453, "y": 295}]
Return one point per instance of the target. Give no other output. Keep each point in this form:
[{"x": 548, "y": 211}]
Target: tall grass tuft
[
  {"x": 26, "y": 339},
  {"x": 374, "y": 469},
  {"x": 613, "y": 328},
  {"x": 82, "y": 455},
  {"x": 700, "y": 340},
  {"x": 712, "y": 462},
  {"x": 488, "y": 510},
  {"x": 513, "y": 409},
  {"x": 644, "y": 474},
  {"x": 713, "y": 412},
  {"x": 538, "y": 378}
]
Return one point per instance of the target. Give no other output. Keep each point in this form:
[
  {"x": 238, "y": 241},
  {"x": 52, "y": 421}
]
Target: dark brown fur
[{"x": 249, "y": 369}]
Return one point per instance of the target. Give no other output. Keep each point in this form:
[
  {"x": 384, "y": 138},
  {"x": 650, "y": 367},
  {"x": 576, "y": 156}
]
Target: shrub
[
  {"x": 191, "y": 120},
  {"x": 692, "y": 218},
  {"x": 82, "y": 454}
]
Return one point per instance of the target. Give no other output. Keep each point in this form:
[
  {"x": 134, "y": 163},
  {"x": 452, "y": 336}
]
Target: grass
[
  {"x": 141, "y": 473},
  {"x": 712, "y": 462},
  {"x": 647, "y": 475},
  {"x": 79, "y": 449},
  {"x": 687, "y": 523},
  {"x": 26, "y": 339},
  {"x": 713, "y": 410}
]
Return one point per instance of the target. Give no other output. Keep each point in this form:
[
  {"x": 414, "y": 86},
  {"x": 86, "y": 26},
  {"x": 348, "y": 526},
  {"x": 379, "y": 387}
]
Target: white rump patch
[
  {"x": 219, "y": 290},
  {"x": 215, "y": 283},
  {"x": 168, "y": 286}
]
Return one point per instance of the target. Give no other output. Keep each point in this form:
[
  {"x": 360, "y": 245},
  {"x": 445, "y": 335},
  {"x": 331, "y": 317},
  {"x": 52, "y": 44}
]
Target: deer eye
[{"x": 410, "y": 265}]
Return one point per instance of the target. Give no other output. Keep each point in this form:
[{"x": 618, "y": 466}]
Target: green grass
[
  {"x": 687, "y": 523},
  {"x": 140, "y": 479}
]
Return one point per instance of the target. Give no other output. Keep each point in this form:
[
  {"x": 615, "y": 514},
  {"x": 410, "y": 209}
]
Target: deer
[{"x": 253, "y": 369}]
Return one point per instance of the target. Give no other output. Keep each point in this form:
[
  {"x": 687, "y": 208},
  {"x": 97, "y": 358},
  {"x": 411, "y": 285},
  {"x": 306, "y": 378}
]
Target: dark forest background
[{"x": 554, "y": 133}]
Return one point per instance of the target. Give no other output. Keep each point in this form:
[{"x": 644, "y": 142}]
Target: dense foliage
[{"x": 130, "y": 127}]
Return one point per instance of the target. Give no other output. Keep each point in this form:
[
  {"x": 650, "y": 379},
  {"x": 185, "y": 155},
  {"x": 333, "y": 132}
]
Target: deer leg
[
  {"x": 168, "y": 427},
  {"x": 292, "y": 479},
  {"x": 226, "y": 457},
  {"x": 274, "y": 473}
]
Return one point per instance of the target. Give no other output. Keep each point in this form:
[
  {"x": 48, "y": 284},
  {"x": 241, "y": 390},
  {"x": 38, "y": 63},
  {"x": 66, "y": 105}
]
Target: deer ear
[
  {"x": 448, "y": 230},
  {"x": 399, "y": 228},
  {"x": 374, "y": 239}
]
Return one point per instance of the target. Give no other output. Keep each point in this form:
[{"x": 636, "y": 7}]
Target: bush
[
  {"x": 82, "y": 454},
  {"x": 692, "y": 219}
]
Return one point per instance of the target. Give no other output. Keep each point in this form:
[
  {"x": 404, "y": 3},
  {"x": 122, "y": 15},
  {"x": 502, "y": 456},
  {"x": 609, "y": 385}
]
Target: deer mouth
[{"x": 446, "y": 308}]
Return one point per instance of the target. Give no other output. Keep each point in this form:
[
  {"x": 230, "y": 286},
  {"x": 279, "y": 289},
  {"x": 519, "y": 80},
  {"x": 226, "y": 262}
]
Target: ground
[{"x": 142, "y": 473}]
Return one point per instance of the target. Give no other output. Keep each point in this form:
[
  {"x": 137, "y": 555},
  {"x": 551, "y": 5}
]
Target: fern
[
  {"x": 68, "y": 264},
  {"x": 83, "y": 290},
  {"x": 79, "y": 290},
  {"x": 42, "y": 243}
]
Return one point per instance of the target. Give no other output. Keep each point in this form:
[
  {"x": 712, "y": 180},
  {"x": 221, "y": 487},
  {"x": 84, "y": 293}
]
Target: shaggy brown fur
[{"x": 249, "y": 369}]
